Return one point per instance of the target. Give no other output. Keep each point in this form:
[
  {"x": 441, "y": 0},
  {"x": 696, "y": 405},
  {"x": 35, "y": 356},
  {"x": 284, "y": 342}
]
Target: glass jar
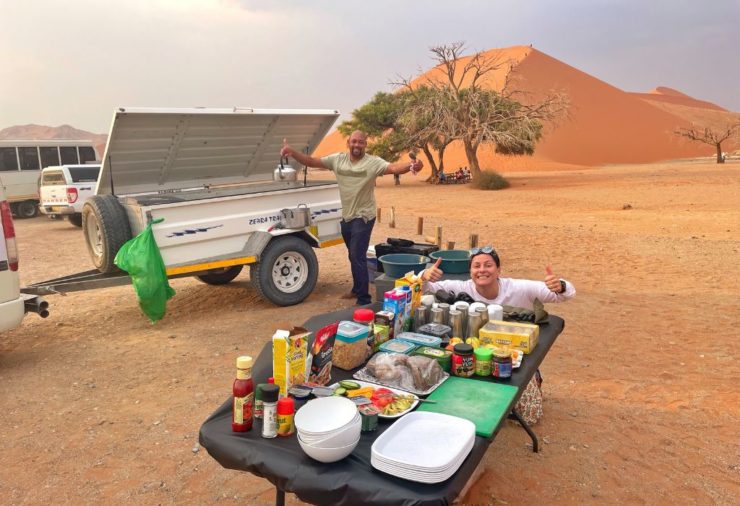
[
  {"x": 463, "y": 360},
  {"x": 501, "y": 363}
]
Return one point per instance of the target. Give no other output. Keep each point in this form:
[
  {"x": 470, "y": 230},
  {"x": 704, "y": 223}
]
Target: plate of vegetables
[{"x": 391, "y": 402}]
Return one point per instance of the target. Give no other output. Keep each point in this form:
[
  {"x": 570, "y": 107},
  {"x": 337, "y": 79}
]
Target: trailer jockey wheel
[{"x": 287, "y": 271}]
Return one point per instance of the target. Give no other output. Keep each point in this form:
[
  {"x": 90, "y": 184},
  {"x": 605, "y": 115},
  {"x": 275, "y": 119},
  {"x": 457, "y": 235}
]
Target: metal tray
[{"x": 363, "y": 375}]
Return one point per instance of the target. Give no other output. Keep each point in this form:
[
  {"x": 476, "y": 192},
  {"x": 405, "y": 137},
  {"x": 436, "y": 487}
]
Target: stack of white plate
[
  {"x": 328, "y": 428},
  {"x": 424, "y": 447}
]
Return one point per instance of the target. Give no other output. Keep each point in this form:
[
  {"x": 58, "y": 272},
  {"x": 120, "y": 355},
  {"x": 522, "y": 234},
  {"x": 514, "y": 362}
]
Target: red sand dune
[{"x": 605, "y": 125}]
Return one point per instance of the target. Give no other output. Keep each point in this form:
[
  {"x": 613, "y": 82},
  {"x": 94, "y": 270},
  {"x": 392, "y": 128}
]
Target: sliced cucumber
[
  {"x": 349, "y": 385},
  {"x": 340, "y": 391}
]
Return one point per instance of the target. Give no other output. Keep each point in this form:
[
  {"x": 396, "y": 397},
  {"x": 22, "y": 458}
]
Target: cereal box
[{"x": 289, "y": 357}]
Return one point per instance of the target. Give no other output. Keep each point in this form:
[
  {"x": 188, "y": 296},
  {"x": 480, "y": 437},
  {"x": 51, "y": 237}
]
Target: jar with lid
[
  {"x": 258, "y": 397},
  {"x": 501, "y": 365},
  {"x": 350, "y": 346},
  {"x": 366, "y": 317},
  {"x": 463, "y": 360},
  {"x": 483, "y": 361}
]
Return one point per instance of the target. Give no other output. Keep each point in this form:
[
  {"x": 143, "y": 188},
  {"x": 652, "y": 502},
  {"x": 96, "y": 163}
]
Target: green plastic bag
[{"x": 140, "y": 257}]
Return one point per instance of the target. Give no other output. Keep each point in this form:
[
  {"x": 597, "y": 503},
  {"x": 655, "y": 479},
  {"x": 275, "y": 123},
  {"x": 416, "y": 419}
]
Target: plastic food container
[
  {"x": 350, "y": 346},
  {"x": 443, "y": 357},
  {"x": 436, "y": 329},
  {"x": 420, "y": 339},
  {"x": 397, "y": 346}
]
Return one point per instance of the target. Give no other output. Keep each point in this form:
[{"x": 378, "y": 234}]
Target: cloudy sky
[{"x": 74, "y": 61}]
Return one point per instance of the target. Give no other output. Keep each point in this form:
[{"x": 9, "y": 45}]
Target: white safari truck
[{"x": 216, "y": 178}]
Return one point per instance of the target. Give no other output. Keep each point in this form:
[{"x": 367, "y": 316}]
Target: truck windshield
[{"x": 52, "y": 178}]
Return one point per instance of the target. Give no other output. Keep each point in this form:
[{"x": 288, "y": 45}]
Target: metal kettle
[{"x": 284, "y": 172}]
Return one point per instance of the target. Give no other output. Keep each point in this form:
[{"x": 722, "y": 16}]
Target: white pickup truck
[
  {"x": 64, "y": 189},
  {"x": 216, "y": 178}
]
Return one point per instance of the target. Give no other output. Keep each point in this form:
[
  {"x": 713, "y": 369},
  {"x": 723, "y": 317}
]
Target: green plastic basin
[{"x": 454, "y": 261}]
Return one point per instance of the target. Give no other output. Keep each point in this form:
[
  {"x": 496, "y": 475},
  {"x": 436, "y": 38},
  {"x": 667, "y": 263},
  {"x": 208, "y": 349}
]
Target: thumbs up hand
[
  {"x": 552, "y": 281},
  {"x": 433, "y": 273}
]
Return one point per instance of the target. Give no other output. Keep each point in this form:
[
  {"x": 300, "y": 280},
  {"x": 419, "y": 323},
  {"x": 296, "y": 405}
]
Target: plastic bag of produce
[{"x": 140, "y": 257}]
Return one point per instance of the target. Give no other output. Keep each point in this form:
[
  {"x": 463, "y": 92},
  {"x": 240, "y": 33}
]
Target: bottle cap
[
  {"x": 363, "y": 315},
  {"x": 270, "y": 392},
  {"x": 271, "y": 380},
  {"x": 244, "y": 362},
  {"x": 285, "y": 406}
]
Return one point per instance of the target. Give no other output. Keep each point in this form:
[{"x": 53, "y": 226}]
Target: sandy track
[{"x": 642, "y": 405}]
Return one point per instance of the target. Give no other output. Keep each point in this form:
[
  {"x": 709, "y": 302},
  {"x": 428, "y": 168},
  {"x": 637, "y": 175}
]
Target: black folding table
[{"x": 351, "y": 481}]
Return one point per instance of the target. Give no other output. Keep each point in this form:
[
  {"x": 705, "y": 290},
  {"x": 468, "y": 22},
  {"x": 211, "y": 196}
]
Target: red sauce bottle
[{"x": 243, "y": 390}]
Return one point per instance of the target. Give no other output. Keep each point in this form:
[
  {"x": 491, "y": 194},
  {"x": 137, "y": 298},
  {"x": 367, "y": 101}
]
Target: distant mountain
[
  {"x": 32, "y": 132},
  {"x": 604, "y": 125}
]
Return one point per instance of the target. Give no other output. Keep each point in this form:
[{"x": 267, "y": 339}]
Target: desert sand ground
[{"x": 642, "y": 404}]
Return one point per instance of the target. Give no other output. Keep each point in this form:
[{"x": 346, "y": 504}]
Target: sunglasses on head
[{"x": 484, "y": 249}]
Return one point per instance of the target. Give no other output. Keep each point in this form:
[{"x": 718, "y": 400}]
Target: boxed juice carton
[
  {"x": 414, "y": 283},
  {"x": 395, "y": 302},
  {"x": 289, "y": 357},
  {"x": 522, "y": 336}
]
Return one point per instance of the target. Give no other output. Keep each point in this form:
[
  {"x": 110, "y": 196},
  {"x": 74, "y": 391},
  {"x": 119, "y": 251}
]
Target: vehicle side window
[
  {"x": 49, "y": 156},
  {"x": 87, "y": 154},
  {"x": 84, "y": 174},
  {"x": 69, "y": 155},
  {"x": 52, "y": 178},
  {"x": 29, "y": 158},
  {"x": 8, "y": 159}
]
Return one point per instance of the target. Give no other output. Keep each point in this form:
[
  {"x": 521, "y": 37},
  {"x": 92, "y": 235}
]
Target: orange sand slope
[{"x": 605, "y": 125}]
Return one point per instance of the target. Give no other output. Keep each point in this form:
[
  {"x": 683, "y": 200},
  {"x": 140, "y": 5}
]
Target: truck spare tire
[
  {"x": 287, "y": 271},
  {"x": 106, "y": 229}
]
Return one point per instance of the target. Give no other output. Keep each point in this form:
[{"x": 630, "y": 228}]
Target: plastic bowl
[
  {"x": 396, "y": 265},
  {"x": 340, "y": 438},
  {"x": 327, "y": 455},
  {"x": 454, "y": 261}
]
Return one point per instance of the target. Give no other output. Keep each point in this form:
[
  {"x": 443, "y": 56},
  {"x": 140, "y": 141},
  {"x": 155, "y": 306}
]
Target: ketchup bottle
[{"x": 243, "y": 390}]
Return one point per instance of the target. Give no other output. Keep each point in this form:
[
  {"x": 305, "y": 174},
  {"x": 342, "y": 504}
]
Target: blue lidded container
[{"x": 420, "y": 339}]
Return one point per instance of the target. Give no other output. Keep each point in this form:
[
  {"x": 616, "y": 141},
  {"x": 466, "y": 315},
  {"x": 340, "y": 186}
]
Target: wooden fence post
[
  {"x": 473, "y": 241},
  {"x": 392, "y": 223},
  {"x": 450, "y": 244},
  {"x": 420, "y": 226},
  {"x": 379, "y": 220},
  {"x": 438, "y": 239}
]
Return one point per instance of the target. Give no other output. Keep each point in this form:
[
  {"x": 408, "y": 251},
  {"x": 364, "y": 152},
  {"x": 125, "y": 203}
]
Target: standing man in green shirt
[{"x": 356, "y": 172}]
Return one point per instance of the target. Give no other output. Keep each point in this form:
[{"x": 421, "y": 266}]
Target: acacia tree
[
  {"x": 476, "y": 115},
  {"x": 710, "y": 136}
]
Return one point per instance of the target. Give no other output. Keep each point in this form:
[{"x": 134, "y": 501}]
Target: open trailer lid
[{"x": 156, "y": 149}]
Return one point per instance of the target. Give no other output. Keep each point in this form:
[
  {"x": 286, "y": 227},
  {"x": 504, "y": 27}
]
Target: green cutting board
[{"x": 482, "y": 402}]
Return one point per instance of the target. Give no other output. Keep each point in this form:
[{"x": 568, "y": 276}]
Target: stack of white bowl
[{"x": 328, "y": 428}]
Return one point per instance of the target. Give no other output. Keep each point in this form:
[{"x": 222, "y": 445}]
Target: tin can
[{"x": 369, "y": 415}]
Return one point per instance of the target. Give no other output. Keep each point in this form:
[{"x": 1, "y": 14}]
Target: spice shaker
[{"x": 270, "y": 393}]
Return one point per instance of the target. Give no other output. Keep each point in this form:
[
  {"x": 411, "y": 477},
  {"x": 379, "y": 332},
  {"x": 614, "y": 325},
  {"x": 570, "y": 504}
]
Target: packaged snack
[
  {"x": 321, "y": 355},
  {"x": 289, "y": 354},
  {"x": 382, "y": 328}
]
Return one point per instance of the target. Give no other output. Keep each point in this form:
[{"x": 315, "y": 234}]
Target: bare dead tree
[{"x": 711, "y": 136}]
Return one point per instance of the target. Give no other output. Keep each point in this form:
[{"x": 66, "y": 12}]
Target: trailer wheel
[
  {"x": 106, "y": 229},
  {"x": 75, "y": 219},
  {"x": 221, "y": 276},
  {"x": 287, "y": 271},
  {"x": 27, "y": 209}
]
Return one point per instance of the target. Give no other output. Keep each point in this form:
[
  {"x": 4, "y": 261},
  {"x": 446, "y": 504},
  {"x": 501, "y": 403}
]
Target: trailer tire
[
  {"x": 287, "y": 271},
  {"x": 27, "y": 209},
  {"x": 75, "y": 219},
  {"x": 221, "y": 276},
  {"x": 106, "y": 229}
]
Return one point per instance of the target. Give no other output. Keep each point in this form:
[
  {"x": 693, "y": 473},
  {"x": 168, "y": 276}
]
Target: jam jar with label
[
  {"x": 501, "y": 365},
  {"x": 463, "y": 360}
]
